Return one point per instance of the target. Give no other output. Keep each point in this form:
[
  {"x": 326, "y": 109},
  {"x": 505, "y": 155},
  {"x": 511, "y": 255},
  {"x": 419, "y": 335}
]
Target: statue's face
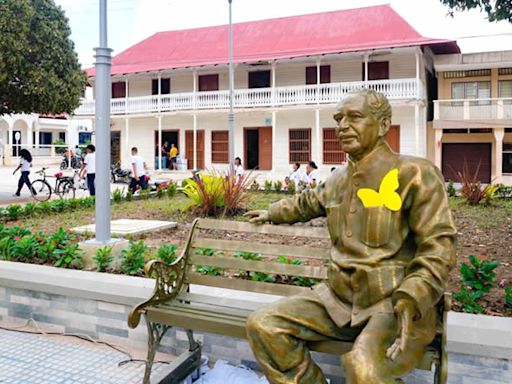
[{"x": 358, "y": 129}]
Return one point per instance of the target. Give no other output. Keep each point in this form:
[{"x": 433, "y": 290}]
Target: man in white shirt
[
  {"x": 139, "y": 168},
  {"x": 89, "y": 168}
]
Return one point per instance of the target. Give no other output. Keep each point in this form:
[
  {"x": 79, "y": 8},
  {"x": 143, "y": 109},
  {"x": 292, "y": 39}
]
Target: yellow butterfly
[{"x": 386, "y": 196}]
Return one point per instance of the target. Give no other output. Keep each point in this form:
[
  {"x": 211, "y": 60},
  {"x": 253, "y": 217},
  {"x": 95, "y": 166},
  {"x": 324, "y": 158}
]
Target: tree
[
  {"x": 496, "y": 9},
  {"x": 39, "y": 69}
]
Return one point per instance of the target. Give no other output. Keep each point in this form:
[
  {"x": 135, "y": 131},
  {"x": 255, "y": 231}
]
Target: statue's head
[{"x": 363, "y": 118}]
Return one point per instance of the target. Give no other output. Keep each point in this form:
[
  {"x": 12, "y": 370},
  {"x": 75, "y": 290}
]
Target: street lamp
[
  {"x": 103, "y": 63},
  {"x": 231, "y": 115}
]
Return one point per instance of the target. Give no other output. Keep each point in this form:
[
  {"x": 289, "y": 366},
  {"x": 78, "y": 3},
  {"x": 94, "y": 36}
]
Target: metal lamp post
[
  {"x": 231, "y": 115},
  {"x": 103, "y": 56}
]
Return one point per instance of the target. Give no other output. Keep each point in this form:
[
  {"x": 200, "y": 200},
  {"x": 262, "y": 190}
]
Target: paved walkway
[{"x": 38, "y": 359}]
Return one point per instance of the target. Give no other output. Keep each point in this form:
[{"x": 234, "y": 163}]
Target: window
[
  {"x": 84, "y": 138},
  {"x": 208, "y": 83},
  {"x": 220, "y": 147},
  {"x": 325, "y": 74},
  {"x": 259, "y": 79},
  {"x": 165, "y": 86},
  {"x": 473, "y": 90},
  {"x": 332, "y": 149},
  {"x": 467, "y": 130},
  {"x": 505, "y": 88},
  {"x": 507, "y": 157},
  {"x": 300, "y": 145},
  {"x": 118, "y": 90},
  {"x": 505, "y": 71},
  {"x": 45, "y": 138},
  {"x": 62, "y": 136},
  {"x": 470, "y": 73},
  {"x": 377, "y": 70}
]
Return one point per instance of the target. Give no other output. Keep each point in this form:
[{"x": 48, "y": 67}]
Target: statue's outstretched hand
[
  {"x": 258, "y": 217},
  {"x": 405, "y": 311}
]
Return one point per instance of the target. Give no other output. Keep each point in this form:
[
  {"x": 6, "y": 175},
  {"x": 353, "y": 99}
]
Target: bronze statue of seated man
[{"x": 393, "y": 245}]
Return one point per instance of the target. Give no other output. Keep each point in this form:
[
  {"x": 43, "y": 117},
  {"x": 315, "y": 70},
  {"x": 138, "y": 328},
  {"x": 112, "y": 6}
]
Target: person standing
[
  {"x": 89, "y": 169},
  {"x": 25, "y": 164},
  {"x": 173, "y": 153},
  {"x": 165, "y": 152},
  {"x": 139, "y": 168},
  {"x": 239, "y": 169}
]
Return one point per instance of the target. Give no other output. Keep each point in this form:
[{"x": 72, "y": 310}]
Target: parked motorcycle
[
  {"x": 119, "y": 175},
  {"x": 76, "y": 162}
]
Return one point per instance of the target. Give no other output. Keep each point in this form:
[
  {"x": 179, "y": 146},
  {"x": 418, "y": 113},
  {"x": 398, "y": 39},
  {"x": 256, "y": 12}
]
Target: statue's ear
[{"x": 384, "y": 125}]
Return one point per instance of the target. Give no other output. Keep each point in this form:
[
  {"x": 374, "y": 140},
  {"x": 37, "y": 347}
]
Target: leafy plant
[
  {"x": 235, "y": 191},
  {"x": 103, "y": 258},
  {"x": 471, "y": 190},
  {"x": 297, "y": 280},
  {"x": 128, "y": 196},
  {"x": 171, "y": 189},
  {"x": 7, "y": 248},
  {"x": 25, "y": 248},
  {"x": 278, "y": 185},
  {"x": 206, "y": 269},
  {"x": 268, "y": 186},
  {"x": 450, "y": 189},
  {"x": 508, "y": 297},
  {"x": 490, "y": 194},
  {"x": 61, "y": 146},
  {"x": 477, "y": 277},
  {"x": 145, "y": 193},
  {"x": 263, "y": 277},
  {"x": 291, "y": 188},
  {"x": 29, "y": 209},
  {"x": 14, "y": 211},
  {"x": 68, "y": 256},
  {"x": 248, "y": 256},
  {"x": 117, "y": 195},
  {"x": 167, "y": 254},
  {"x": 255, "y": 187},
  {"x": 132, "y": 258}
]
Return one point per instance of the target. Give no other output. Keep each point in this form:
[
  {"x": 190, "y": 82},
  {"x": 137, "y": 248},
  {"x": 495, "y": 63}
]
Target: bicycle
[{"x": 64, "y": 187}]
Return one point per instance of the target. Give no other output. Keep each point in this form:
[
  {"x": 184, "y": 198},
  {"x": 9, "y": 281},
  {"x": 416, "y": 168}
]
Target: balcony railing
[
  {"x": 397, "y": 89},
  {"x": 473, "y": 109}
]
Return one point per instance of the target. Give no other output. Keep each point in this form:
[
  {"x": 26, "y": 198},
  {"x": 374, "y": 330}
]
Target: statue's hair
[{"x": 377, "y": 102}]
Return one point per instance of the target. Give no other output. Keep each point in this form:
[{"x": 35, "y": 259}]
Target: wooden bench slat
[
  {"x": 225, "y": 302},
  {"x": 265, "y": 249},
  {"x": 271, "y": 229},
  {"x": 260, "y": 266},
  {"x": 244, "y": 285}
]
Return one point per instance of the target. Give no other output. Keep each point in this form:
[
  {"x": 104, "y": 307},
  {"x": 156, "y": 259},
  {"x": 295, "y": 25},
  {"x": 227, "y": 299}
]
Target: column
[
  {"x": 438, "y": 145},
  {"x": 160, "y": 139},
  {"x": 418, "y": 80},
  {"x": 417, "y": 122},
  {"x": 9, "y": 139},
  {"x": 318, "y": 138},
  {"x": 195, "y": 140},
  {"x": 127, "y": 136},
  {"x": 159, "y": 95},
  {"x": 273, "y": 83},
  {"x": 274, "y": 140},
  {"x": 126, "y": 90},
  {"x": 499, "y": 134},
  {"x": 194, "y": 88},
  {"x": 37, "y": 133},
  {"x": 318, "y": 80},
  {"x": 366, "y": 57}
]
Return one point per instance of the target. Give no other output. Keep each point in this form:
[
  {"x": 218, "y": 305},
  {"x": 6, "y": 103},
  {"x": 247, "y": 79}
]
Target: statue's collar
[{"x": 372, "y": 158}]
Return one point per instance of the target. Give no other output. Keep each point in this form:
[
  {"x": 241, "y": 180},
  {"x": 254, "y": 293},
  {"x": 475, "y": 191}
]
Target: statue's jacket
[{"x": 379, "y": 255}]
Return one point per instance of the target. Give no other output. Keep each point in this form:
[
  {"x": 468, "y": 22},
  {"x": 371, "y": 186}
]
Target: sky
[{"x": 131, "y": 21}]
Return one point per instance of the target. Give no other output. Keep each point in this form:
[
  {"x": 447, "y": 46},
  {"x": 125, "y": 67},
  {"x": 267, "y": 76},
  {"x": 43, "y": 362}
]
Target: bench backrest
[{"x": 247, "y": 257}]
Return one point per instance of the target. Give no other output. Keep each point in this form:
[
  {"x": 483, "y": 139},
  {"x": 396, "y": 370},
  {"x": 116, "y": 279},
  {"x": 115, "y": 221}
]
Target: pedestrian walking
[
  {"x": 89, "y": 169},
  {"x": 139, "y": 168},
  {"x": 25, "y": 164}
]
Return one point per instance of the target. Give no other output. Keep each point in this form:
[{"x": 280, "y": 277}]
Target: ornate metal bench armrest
[{"x": 168, "y": 282}]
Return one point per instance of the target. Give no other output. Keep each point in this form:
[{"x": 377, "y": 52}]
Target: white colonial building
[{"x": 289, "y": 75}]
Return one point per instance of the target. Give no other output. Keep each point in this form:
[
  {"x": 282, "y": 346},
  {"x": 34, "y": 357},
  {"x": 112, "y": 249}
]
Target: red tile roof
[{"x": 314, "y": 34}]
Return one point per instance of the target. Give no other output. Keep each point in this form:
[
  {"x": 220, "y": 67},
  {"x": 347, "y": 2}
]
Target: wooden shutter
[
  {"x": 377, "y": 70},
  {"x": 332, "y": 152},
  {"x": 189, "y": 148},
  {"x": 299, "y": 141},
  {"x": 265, "y": 148},
  {"x": 220, "y": 147},
  {"x": 325, "y": 74},
  {"x": 118, "y": 90},
  {"x": 208, "y": 83},
  {"x": 393, "y": 138}
]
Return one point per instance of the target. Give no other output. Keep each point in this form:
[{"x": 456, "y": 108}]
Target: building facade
[
  {"x": 289, "y": 75},
  {"x": 473, "y": 116}
]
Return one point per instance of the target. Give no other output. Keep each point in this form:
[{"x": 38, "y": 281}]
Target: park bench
[{"x": 174, "y": 305}]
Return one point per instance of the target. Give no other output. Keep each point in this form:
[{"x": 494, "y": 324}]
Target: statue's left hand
[{"x": 405, "y": 310}]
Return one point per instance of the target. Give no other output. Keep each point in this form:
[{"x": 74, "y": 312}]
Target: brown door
[
  {"x": 455, "y": 154},
  {"x": 265, "y": 148},
  {"x": 393, "y": 138},
  {"x": 189, "y": 148},
  {"x": 208, "y": 83},
  {"x": 377, "y": 70}
]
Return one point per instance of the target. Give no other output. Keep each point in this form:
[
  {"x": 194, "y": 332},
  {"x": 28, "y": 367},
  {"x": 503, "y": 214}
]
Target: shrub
[
  {"x": 206, "y": 269},
  {"x": 60, "y": 150},
  {"x": 297, "y": 280},
  {"x": 268, "y": 186},
  {"x": 255, "y": 187},
  {"x": 262, "y": 277},
  {"x": 14, "y": 211},
  {"x": 490, "y": 194},
  {"x": 234, "y": 192},
  {"x": 508, "y": 297},
  {"x": 7, "y": 248},
  {"x": 477, "y": 277},
  {"x": 504, "y": 191},
  {"x": 132, "y": 258},
  {"x": 278, "y": 185},
  {"x": 68, "y": 256},
  {"x": 128, "y": 196},
  {"x": 103, "y": 258},
  {"x": 144, "y": 193},
  {"x": 167, "y": 254},
  {"x": 25, "y": 248},
  {"x": 450, "y": 189},
  {"x": 117, "y": 195},
  {"x": 54, "y": 243},
  {"x": 171, "y": 189},
  {"x": 471, "y": 187},
  {"x": 291, "y": 188},
  {"x": 29, "y": 209}
]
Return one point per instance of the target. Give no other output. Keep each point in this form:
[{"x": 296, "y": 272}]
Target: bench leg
[{"x": 156, "y": 332}]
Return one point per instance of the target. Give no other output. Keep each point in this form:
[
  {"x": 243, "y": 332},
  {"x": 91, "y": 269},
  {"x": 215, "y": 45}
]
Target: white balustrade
[
  {"x": 473, "y": 109},
  {"x": 396, "y": 89}
]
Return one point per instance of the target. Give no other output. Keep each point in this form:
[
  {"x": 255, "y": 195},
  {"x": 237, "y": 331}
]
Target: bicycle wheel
[
  {"x": 66, "y": 190},
  {"x": 41, "y": 190}
]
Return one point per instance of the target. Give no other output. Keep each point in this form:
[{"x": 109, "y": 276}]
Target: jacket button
[
  {"x": 356, "y": 312},
  {"x": 355, "y": 287},
  {"x": 349, "y": 234},
  {"x": 356, "y": 183},
  {"x": 353, "y": 210}
]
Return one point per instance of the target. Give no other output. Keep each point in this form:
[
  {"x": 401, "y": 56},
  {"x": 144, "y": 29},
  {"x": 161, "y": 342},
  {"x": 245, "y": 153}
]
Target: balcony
[
  {"x": 397, "y": 89},
  {"x": 474, "y": 113}
]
